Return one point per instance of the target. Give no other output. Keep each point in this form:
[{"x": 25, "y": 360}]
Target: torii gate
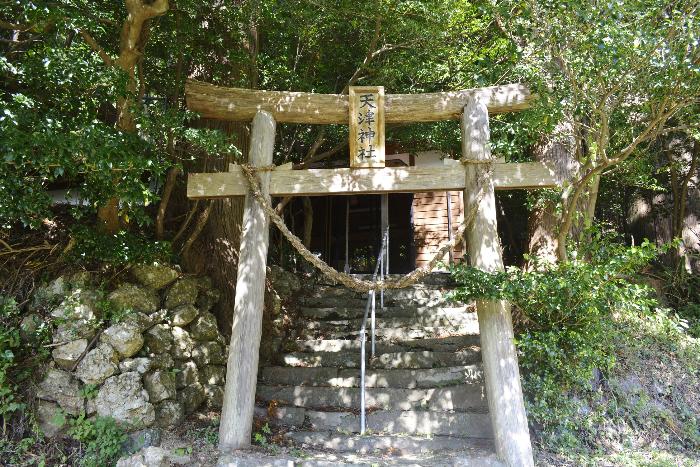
[{"x": 265, "y": 108}]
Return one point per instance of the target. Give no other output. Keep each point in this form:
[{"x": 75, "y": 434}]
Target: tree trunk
[
  {"x": 308, "y": 220},
  {"x": 132, "y": 43},
  {"x": 558, "y": 152},
  {"x": 680, "y": 185},
  {"x": 217, "y": 252}
]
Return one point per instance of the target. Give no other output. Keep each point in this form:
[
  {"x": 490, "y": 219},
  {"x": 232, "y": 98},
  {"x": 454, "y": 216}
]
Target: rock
[
  {"x": 155, "y": 276},
  {"x": 138, "y": 320},
  {"x": 184, "y": 315},
  {"x": 206, "y": 353},
  {"x": 90, "y": 407},
  {"x": 182, "y": 343},
  {"x": 67, "y": 355},
  {"x": 207, "y": 299},
  {"x": 160, "y": 386},
  {"x": 124, "y": 338},
  {"x": 213, "y": 375},
  {"x": 191, "y": 397},
  {"x": 98, "y": 365},
  {"x": 50, "y": 294},
  {"x": 183, "y": 292},
  {"x": 141, "y": 365},
  {"x": 204, "y": 283},
  {"x": 284, "y": 282},
  {"x": 124, "y": 398},
  {"x": 79, "y": 305},
  {"x": 75, "y": 330},
  {"x": 48, "y": 418},
  {"x": 142, "y": 439},
  {"x": 214, "y": 395},
  {"x": 273, "y": 303},
  {"x": 59, "y": 386},
  {"x": 169, "y": 413},
  {"x": 152, "y": 456},
  {"x": 135, "y": 298},
  {"x": 188, "y": 374},
  {"x": 29, "y": 326},
  {"x": 204, "y": 328},
  {"x": 162, "y": 362},
  {"x": 158, "y": 317},
  {"x": 159, "y": 339},
  {"x": 630, "y": 386}
]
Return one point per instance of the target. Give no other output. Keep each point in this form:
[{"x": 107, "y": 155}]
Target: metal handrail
[{"x": 371, "y": 304}]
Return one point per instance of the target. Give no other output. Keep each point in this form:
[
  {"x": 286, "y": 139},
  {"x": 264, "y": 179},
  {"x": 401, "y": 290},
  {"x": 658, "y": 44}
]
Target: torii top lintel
[{"x": 303, "y": 107}]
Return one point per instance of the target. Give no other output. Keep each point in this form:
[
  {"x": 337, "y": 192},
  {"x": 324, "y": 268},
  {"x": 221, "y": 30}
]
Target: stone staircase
[{"x": 425, "y": 396}]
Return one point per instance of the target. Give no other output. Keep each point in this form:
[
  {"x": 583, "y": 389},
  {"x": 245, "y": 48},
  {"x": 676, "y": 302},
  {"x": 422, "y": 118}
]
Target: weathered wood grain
[
  {"x": 302, "y": 107},
  {"x": 501, "y": 373},
  {"x": 242, "y": 368},
  {"x": 345, "y": 181},
  {"x": 376, "y": 142}
]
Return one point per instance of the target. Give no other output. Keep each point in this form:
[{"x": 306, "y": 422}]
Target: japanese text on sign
[{"x": 366, "y": 126}]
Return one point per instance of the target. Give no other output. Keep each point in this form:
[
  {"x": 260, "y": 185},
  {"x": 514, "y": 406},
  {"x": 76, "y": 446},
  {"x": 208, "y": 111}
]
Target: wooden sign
[{"x": 366, "y": 111}]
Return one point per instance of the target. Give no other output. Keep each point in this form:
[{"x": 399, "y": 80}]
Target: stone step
[
  {"x": 406, "y": 360},
  {"x": 309, "y": 457},
  {"x": 462, "y": 398},
  {"x": 343, "y": 313},
  {"x": 392, "y": 378},
  {"x": 436, "y": 278},
  {"x": 394, "y": 445},
  {"x": 445, "y": 344},
  {"x": 433, "y": 297},
  {"x": 381, "y": 322},
  {"x": 409, "y": 293},
  {"x": 469, "y": 327},
  {"x": 424, "y": 422},
  {"x": 343, "y": 302}
]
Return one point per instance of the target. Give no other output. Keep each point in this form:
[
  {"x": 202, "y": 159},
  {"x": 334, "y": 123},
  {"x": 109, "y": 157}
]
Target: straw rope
[{"x": 347, "y": 280}]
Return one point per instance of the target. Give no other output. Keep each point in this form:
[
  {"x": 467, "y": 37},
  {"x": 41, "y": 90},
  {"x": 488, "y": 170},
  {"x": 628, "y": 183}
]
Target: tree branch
[
  {"x": 336, "y": 149},
  {"x": 14, "y": 26},
  {"x": 96, "y": 47},
  {"x": 198, "y": 227}
]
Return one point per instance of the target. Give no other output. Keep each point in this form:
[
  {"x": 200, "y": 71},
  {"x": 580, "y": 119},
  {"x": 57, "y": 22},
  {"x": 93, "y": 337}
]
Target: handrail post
[
  {"x": 362, "y": 382},
  {"x": 373, "y": 321},
  {"x": 371, "y": 305}
]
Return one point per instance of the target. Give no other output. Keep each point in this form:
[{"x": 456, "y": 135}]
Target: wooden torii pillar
[{"x": 473, "y": 107}]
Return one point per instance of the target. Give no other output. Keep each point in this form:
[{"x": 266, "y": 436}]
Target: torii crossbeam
[{"x": 472, "y": 107}]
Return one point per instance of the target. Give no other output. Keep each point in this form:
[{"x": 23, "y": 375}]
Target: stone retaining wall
[{"x": 147, "y": 354}]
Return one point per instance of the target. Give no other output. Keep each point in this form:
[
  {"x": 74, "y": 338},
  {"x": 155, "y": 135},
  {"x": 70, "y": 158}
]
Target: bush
[
  {"x": 682, "y": 290},
  {"x": 102, "y": 439},
  {"x": 118, "y": 249},
  {"x": 9, "y": 342},
  {"x": 566, "y": 323}
]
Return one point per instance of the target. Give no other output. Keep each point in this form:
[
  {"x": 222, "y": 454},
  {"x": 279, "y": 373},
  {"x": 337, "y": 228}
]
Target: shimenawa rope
[{"x": 347, "y": 280}]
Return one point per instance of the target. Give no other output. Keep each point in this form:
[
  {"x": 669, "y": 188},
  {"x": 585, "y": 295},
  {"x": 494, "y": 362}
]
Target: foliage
[
  {"x": 122, "y": 248},
  {"x": 210, "y": 434},
  {"x": 89, "y": 391},
  {"x": 569, "y": 322},
  {"x": 612, "y": 66},
  {"x": 9, "y": 343},
  {"x": 616, "y": 75},
  {"x": 260, "y": 437},
  {"x": 682, "y": 290},
  {"x": 102, "y": 439}
]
